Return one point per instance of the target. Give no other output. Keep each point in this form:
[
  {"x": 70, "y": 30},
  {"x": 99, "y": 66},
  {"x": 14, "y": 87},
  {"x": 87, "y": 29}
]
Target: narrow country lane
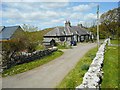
[{"x": 51, "y": 74}]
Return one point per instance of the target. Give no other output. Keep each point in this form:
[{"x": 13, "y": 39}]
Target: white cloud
[
  {"x": 90, "y": 16},
  {"x": 76, "y": 15},
  {"x": 54, "y": 21},
  {"x": 15, "y": 14},
  {"x": 11, "y": 14},
  {"x": 58, "y": 20},
  {"x": 10, "y": 21},
  {"x": 44, "y": 14},
  {"x": 81, "y": 8},
  {"x": 51, "y": 14},
  {"x": 37, "y": 5},
  {"x": 32, "y": 10},
  {"x": 53, "y": 5},
  {"x": 35, "y": 1},
  {"x": 84, "y": 7},
  {"x": 39, "y": 15}
]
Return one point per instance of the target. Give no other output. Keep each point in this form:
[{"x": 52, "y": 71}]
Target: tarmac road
[{"x": 51, "y": 74}]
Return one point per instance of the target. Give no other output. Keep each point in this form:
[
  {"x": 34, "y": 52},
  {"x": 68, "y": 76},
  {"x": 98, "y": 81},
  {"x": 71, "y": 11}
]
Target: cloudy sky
[{"x": 51, "y": 14}]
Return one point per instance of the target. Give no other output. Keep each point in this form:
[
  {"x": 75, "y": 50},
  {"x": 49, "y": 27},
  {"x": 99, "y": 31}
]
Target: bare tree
[{"x": 29, "y": 28}]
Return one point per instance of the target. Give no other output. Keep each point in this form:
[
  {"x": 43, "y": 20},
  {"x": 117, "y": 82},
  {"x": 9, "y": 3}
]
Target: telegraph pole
[{"x": 98, "y": 26}]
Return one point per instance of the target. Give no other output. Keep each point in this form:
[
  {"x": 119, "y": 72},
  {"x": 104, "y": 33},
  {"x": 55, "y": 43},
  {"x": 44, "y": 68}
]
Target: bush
[
  {"x": 85, "y": 67},
  {"x": 20, "y": 43}
]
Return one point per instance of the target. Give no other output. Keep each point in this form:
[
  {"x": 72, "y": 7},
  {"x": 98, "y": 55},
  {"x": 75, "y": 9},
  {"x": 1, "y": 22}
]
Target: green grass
[
  {"x": 40, "y": 47},
  {"x": 28, "y": 66},
  {"x": 110, "y": 68},
  {"x": 63, "y": 46},
  {"x": 75, "y": 76},
  {"x": 114, "y": 41}
]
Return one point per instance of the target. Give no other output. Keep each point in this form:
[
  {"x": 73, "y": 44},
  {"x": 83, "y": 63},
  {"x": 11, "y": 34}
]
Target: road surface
[{"x": 51, "y": 74}]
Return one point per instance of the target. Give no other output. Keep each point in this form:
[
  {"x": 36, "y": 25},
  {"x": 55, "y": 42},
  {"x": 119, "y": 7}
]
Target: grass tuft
[{"x": 85, "y": 67}]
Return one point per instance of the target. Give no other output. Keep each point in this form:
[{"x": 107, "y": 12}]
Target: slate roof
[
  {"x": 1, "y": 28},
  {"x": 62, "y": 31},
  {"x": 7, "y": 32}
]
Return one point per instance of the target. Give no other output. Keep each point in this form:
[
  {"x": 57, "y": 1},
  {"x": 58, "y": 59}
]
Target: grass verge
[
  {"x": 114, "y": 41},
  {"x": 63, "y": 46},
  {"x": 28, "y": 66},
  {"x": 110, "y": 68},
  {"x": 75, "y": 76}
]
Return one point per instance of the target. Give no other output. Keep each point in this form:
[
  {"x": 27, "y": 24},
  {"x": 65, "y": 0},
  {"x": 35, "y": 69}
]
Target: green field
[
  {"x": 28, "y": 66},
  {"x": 75, "y": 76},
  {"x": 110, "y": 68},
  {"x": 114, "y": 41}
]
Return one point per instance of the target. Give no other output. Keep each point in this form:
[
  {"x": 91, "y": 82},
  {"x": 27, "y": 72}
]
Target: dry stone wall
[
  {"x": 27, "y": 57},
  {"x": 93, "y": 76}
]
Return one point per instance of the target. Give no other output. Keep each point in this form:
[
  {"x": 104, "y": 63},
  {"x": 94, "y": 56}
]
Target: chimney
[
  {"x": 67, "y": 24},
  {"x": 80, "y": 25}
]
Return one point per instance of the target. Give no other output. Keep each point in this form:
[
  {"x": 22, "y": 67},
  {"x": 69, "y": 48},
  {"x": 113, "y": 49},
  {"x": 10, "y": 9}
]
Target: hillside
[{"x": 37, "y": 36}]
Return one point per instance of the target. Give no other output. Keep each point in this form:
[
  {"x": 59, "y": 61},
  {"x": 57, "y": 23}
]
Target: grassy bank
[
  {"x": 110, "y": 68},
  {"x": 28, "y": 66},
  {"x": 75, "y": 76}
]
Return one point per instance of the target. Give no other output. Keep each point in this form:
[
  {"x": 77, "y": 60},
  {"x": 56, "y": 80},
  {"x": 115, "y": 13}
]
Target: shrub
[
  {"x": 91, "y": 56},
  {"x": 85, "y": 67},
  {"x": 20, "y": 43}
]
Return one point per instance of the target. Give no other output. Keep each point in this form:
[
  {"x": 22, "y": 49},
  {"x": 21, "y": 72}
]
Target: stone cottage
[{"x": 68, "y": 33}]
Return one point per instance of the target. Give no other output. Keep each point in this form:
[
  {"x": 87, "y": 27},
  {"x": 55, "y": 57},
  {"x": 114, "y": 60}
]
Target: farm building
[
  {"x": 68, "y": 33},
  {"x": 7, "y": 33}
]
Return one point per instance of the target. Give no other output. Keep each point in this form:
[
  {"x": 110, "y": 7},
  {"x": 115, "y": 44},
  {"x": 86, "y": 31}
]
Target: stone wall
[
  {"x": 27, "y": 57},
  {"x": 93, "y": 76}
]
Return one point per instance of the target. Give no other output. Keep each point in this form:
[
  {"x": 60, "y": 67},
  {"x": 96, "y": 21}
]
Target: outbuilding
[{"x": 7, "y": 33}]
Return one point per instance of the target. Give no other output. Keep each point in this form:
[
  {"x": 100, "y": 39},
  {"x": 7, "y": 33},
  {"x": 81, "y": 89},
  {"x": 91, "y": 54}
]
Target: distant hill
[{"x": 37, "y": 36}]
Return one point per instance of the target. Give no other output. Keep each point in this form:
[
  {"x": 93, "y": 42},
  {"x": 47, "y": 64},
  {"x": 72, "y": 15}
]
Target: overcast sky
[{"x": 51, "y": 14}]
